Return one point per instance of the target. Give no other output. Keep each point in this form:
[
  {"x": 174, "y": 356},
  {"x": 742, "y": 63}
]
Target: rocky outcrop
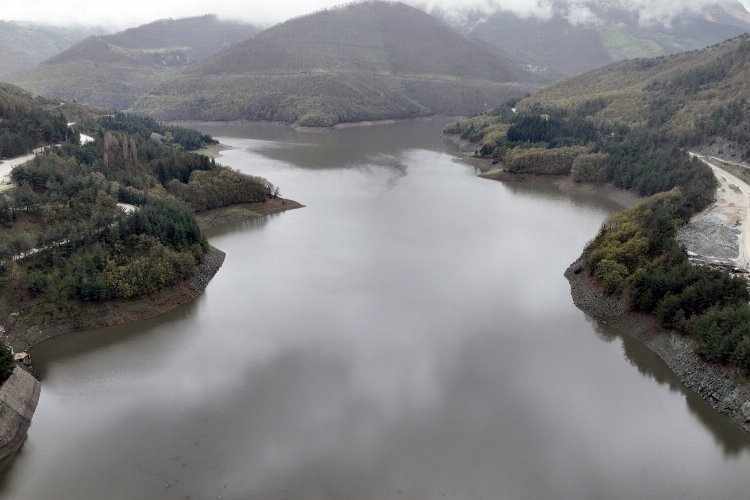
[
  {"x": 724, "y": 389},
  {"x": 207, "y": 269},
  {"x": 19, "y": 396}
]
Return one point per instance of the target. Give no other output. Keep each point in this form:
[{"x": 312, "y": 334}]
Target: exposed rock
[
  {"x": 745, "y": 409},
  {"x": 22, "y": 357},
  {"x": 207, "y": 269},
  {"x": 19, "y": 396}
]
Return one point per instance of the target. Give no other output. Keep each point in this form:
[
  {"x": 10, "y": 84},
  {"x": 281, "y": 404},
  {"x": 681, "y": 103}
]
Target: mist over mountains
[{"x": 571, "y": 37}]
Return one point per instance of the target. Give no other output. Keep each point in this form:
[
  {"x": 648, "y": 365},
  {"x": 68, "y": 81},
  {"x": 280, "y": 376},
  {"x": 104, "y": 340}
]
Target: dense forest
[
  {"x": 25, "y": 124},
  {"x": 64, "y": 239},
  {"x": 636, "y": 252}
]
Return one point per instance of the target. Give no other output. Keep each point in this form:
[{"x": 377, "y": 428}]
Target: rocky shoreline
[
  {"x": 19, "y": 396},
  {"x": 723, "y": 388}
]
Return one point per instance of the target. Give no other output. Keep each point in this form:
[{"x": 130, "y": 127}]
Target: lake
[{"x": 407, "y": 335}]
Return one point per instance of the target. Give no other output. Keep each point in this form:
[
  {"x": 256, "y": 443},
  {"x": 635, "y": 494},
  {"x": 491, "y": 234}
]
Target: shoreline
[
  {"x": 19, "y": 395},
  {"x": 296, "y": 126},
  {"x": 723, "y": 388},
  {"x": 244, "y": 211},
  {"x": 564, "y": 183},
  {"x": 23, "y": 335}
]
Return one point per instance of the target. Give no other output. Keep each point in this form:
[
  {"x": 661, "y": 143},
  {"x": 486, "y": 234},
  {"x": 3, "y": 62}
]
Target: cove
[{"x": 409, "y": 334}]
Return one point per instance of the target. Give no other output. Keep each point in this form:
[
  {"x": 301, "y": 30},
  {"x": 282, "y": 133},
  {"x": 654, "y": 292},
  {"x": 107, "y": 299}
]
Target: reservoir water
[{"x": 407, "y": 335}]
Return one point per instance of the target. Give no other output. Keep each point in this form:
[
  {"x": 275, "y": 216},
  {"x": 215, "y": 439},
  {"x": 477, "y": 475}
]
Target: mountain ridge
[
  {"x": 111, "y": 71},
  {"x": 364, "y": 61}
]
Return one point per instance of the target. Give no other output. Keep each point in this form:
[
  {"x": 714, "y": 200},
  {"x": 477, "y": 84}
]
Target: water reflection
[
  {"x": 245, "y": 225},
  {"x": 343, "y": 148},
  {"x": 726, "y": 433}
]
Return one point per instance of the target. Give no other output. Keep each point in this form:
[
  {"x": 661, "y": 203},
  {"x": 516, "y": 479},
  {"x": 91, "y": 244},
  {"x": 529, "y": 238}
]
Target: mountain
[
  {"x": 26, "y": 45},
  {"x": 363, "y": 61},
  {"x": 586, "y": 35},
  {"x": 693, "y": 99},
  {"x": 113, "y": 70}
]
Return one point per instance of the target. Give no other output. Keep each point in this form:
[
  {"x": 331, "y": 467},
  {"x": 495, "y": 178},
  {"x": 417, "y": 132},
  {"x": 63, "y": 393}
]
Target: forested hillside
[
  {"x": 111, "y": 71},
  {"x": 692, "y": 97},
  {"x": 364, "y": 61},
  {"x": 25, "y": 122},
  {"x": 65, "y": 241}
]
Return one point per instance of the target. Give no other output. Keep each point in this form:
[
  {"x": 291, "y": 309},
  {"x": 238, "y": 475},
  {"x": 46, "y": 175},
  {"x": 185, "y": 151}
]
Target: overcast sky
[{"x": 121, "y": 14}]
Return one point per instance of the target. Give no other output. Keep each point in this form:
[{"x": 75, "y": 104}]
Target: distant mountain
[
  {"x": 26, "y": 45},
  {"x": 111, "y": 71},
  {"x": 364, "y": 61},
  {"x": 586, "y": 35}
]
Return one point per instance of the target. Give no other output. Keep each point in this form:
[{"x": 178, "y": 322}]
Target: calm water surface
[{"x": 407, "y": 335}]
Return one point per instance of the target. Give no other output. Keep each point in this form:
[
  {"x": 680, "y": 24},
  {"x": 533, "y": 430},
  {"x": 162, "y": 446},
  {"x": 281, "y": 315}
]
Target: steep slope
[
  {"x": 691, "y": 96},
  {"x": 26, "y": 45},
  {"x": 574, "y": 41},
  {"x": 27, "y": 122},
  {"x": 363, "y": 61},
  {"x": 113, "y": 70}
]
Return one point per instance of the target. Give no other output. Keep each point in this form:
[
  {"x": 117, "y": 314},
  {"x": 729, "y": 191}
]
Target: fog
[{"x": 117, "y": 15}]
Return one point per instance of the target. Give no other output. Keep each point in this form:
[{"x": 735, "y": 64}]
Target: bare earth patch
[{"x": 719, "y": 235}]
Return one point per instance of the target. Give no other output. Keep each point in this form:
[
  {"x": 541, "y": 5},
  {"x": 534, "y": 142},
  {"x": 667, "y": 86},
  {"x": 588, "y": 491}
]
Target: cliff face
[
  {"x": 722, "y": 388},
  {"x": 19, "y": 396}
]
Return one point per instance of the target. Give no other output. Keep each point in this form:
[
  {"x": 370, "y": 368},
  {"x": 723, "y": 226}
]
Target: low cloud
[
  {"x": 266, "y": 12},
  {"x": 646, "y": 12}
]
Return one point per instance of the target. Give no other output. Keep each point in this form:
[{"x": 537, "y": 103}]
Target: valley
[{"x": 197, "y": 333}]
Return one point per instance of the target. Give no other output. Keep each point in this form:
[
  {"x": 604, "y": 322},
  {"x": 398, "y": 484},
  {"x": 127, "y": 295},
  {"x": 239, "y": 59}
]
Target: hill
[
  {"x": 26, "y": 45},
  {"x": 364, "y": 61},
  {"x": 569, "y": 43},
  {"x": 689, "y": 97},
  {"x": 111, "y": 71}
]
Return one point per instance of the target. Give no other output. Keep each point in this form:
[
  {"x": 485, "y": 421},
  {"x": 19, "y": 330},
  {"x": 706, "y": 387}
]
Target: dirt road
[
  {"x": 732, "y": 207},
  {"x": 8, "y": 164}
]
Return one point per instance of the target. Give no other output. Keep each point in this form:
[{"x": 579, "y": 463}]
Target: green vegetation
[
  {"x": 25, "y": 124},
  {"x": 144, "y": 126},
  {"x": 589, "y": 167},
  {"x": 111, "y": 71},
  {"x": 555, "y": 161},
  {"x": 7, "y": 365},
  {"x": 636, "y": 251},
  {"x": 364, "y": 61},
  {"x": 64, "y": 241},
  {"x": 690, "y": 98}
]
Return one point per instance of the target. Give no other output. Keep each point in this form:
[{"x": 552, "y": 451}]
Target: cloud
[{"x": 266, "y": 12}]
